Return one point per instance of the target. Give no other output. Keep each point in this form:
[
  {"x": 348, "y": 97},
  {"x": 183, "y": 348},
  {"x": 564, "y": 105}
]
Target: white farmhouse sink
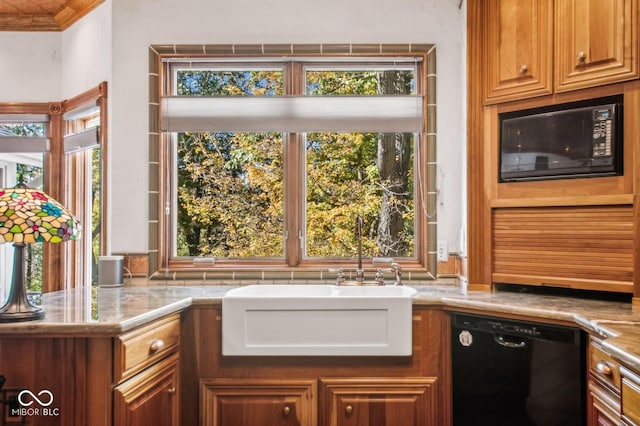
[{"x": 312, "y": 320}]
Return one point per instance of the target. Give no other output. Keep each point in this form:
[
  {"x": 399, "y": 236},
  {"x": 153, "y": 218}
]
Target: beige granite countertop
[{"x": 86, "y": 311}]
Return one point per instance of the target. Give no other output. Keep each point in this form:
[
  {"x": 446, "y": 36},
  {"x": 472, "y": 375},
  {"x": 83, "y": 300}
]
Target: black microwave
[{"x": 574, "y": 140}]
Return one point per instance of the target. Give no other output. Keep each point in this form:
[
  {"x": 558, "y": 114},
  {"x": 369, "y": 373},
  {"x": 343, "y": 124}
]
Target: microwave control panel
[{"x": 602, "y": 128}]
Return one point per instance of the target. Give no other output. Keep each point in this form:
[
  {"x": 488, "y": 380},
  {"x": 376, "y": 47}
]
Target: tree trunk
[{"x": 394, "y": 162}]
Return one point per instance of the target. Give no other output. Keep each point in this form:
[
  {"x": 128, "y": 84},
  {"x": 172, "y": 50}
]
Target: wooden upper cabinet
[
  {"x": 518, "y": 44},
  {"x": 596, "y": 42}
]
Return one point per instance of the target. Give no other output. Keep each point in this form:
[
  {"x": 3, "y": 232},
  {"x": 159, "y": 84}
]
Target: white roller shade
[
  {"x": 292, "y": 114},
  {"x": 23, "y": 144},
  {"x": 80, "y": 141},
  {"x": 24, "y": 118},
  {"x": 81, "y": 111}
]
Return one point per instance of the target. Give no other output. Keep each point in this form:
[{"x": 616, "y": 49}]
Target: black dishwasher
[{"x": 516, "y": 373}]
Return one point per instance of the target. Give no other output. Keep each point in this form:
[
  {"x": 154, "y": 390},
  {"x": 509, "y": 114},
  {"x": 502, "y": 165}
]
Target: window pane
[
  {"x": 22, "y": 129},
  {"x": 96, "y": 213},
  {"x": 84, "y": 177},
  {"x": 28, "y": 168},
  {"x": 368, "y": 175},
  {"x": 230, "y": 190},
  {"x": 229, "y": 82},
  {"x": 372, "y": 82},
  {"x": 230, "y": 195}
]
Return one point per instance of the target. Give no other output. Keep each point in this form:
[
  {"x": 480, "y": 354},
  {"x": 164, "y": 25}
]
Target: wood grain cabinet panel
[
  {"x": 378, "y": 401},
  {"x": 140, "y": 348},
  {"x": 150, "y": 397},
  {"x": 586, "y": 247},
  {"x": 602, "y": 408},
  {"x": 258, "y": 402},
  {"x": 518, "y": 42},
  {"x": 596, "y": 42},
  {"x": 603, "y": 389},
  {"x": 630, "y": 396}
]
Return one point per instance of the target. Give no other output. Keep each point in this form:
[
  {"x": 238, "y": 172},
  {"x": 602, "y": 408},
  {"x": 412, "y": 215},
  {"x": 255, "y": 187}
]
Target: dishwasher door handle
[{"x": 499, "y": 338}]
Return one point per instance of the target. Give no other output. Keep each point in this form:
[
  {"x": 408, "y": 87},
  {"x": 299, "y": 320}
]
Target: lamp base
[
  {"x": 8, "y": 316},
  {"x": 18, "y": 306}
]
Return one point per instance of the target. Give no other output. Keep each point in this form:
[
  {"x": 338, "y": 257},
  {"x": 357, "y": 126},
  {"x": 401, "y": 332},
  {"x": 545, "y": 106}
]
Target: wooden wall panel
[{"x": 588, "y": 247}]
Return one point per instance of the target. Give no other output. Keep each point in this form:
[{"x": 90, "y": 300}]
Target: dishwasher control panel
[{"x": 509, "y": 327}]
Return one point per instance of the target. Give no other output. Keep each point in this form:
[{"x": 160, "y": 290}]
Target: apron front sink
[{"x": 317, "y": 320}]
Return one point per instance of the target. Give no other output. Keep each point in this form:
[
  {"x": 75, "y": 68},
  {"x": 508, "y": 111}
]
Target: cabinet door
[
  {"x": 630, "y": 396},
  {"x": 149, "y": 398},
  {"x": 379, "y": 402},
  {"x": 596, "y": 42},
  {"x": 518, "y": 43},
  {"x": 258, "y": 402},
  {"x": 603, "y": 406}
]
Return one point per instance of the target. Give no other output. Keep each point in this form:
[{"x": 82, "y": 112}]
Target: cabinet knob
[
  {"x": 171, "y": 390},
  {"x": 523, "y": 69},
  {"x": 582, "y": 57},
  {"x": 156, "y": 345},
  {"x": 286, "y": 410},
  {"x": 348, "y": 410},
  {"x": 604, "y": 368}
]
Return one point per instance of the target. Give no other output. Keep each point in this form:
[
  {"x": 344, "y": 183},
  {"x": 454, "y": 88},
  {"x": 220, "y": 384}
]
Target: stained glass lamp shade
[{"x": 29, "y": 216}]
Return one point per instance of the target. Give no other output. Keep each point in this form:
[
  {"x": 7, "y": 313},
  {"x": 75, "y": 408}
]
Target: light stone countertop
[{"x": 109, "y": 311}]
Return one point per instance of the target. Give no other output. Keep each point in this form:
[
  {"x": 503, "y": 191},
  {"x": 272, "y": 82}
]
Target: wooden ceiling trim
[
  {"x": 49, "y": 16},
  {"x": 74, "y": 10}
]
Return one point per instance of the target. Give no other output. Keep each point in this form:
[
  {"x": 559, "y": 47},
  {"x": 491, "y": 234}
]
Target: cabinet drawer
[
  {"x": 630, "y": 396},
  {"x": 146, "y": 345},
  {"x": 603, "y": 367}
]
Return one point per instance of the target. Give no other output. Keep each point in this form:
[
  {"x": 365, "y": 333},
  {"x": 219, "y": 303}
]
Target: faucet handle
[
  {"x": 395, "y": 267},
  {"x": 340, "y": 275}
]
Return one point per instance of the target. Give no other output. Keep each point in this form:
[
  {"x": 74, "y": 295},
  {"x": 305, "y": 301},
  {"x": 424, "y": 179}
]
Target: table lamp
[{"x": 30, "y": 216}]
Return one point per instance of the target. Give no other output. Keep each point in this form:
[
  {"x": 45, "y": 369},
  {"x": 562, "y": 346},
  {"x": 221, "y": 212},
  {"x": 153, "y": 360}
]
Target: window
[
  {"x": 37, "y": 142},
  {"x": 295, "y": 161},
  {"x": 22, "y": 147},
  {"x": 83, "y": 156}
]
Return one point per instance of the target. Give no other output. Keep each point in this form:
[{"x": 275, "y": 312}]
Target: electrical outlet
[{"x": 443, "y": 251}]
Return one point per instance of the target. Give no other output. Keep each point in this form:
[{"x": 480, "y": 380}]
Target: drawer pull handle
[
  {"x": 171, "y": 390},
  {"x": 604, "y": 368},
  {"x": 156, "y": 345},
  {"x": 286, "y": 410},
  {"x": 348, "y": 410},
  {"x": 523, "y": 69}
]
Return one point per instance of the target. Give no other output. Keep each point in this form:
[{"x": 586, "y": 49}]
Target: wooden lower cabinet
[
  {"x": 258, "y": 402},
  {"x": 603, "y": 406},
  {"x": 315, "y": 390},
  {"x": 630, "y": 396},
  {"x": 603, "y": 388},
  {"x": 339, "y": 402},
  {"x": 149, "y": 398},
  {"x": 377, "y": 402}
]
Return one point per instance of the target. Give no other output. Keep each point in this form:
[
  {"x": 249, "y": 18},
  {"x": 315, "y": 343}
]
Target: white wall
[
  {"x": 140, "y": 23},
  {"x": 30, "y": 66},
  {"x": 112, "y": 42},
  {"x": 86, "y": 47}
]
